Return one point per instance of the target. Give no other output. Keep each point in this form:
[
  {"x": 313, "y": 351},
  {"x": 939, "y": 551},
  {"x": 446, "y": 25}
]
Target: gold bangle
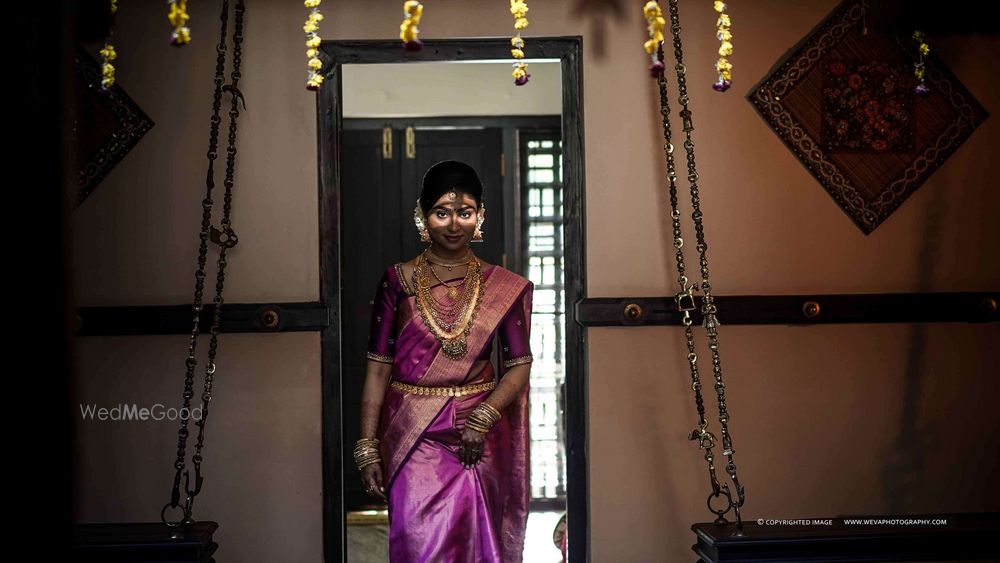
[
  {"x": 493, "y": 410},
  {"x": 486, "y": 413},
  {"x": 366, "y": 444},
  {"x": 366, "y": 452},
  {"x": 363, "y": 461},
  {"x": 365, "y": 464},
  {"x": 480, "y": 420},
  {"x": 483, "y": 417},
  {"x": 475, "y": 426}
]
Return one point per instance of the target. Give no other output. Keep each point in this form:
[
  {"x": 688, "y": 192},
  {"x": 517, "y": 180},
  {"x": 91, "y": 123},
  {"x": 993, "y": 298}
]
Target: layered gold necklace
[
  {"x": 449, "y": 320},
  {"x": 434, "y": 259}
]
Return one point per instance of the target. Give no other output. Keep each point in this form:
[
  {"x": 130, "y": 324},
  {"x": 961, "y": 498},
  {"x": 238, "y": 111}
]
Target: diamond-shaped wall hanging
[
  {"x": 105, "y": 125},
  {"x": 843, "y": 101}
]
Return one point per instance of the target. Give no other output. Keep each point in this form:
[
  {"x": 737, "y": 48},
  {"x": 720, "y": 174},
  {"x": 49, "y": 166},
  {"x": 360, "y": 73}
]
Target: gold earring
[
  {"x": 418, "y": 220},
  {"x": 477, "y": 235}
]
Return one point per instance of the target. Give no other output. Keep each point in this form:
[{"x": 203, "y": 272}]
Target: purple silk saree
[{"x": 438, "y": 510}]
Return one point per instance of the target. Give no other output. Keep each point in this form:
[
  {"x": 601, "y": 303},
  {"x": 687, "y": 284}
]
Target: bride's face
[{"x": 452, "y": 220}]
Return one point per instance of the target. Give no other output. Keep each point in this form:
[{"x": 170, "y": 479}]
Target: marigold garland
[
  {"x": 408, "y": 30},
  {"x": 178, "y": 17},
  {"x": 923, "y": 50},
  {"x": 108, "y": 54},
  {"x": 725, "y": 36},
  {"x": 519, "y": 9},
  {"x": 654, "y": 25},
  {"x": 311, "y": 28}
]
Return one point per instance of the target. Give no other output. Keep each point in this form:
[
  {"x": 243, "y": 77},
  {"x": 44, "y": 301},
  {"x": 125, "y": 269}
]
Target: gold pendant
[
  {"x": 453, "y": 292},
  {"x": 454, "y": 348}
]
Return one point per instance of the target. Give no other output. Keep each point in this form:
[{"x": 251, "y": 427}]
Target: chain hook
[{"x": 236, "y": 94}]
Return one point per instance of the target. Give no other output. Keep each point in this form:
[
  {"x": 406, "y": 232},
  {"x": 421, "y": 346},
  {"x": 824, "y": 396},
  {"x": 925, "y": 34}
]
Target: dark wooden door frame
[{"x": 569, "y": 51}]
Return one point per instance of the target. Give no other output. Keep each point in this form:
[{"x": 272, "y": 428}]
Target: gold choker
[{"x": 435, "y": 259}]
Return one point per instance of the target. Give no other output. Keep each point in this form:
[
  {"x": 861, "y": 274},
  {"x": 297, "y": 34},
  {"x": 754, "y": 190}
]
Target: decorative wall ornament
[
  {"x": 843, "y": 101},
  {"x": 107, "y": 124}
]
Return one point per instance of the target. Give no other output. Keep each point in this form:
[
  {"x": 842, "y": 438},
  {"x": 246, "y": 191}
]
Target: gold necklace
[
  {"x": 445, "y": 309},
  {"x": 452, "y": 289},
  {"x": 435, "y": 259},
  {"x": 452, "y": 335}
]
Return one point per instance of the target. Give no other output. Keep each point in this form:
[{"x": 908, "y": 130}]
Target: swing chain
[
  {"x": 209, "y": 232},
  {"x": 704, "y": 438}
]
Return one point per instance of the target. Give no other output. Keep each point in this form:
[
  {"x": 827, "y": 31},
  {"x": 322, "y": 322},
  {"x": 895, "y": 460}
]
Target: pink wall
[{"x": 816, "y": 411}]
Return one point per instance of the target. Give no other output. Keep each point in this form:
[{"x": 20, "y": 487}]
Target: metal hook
[
  {"x": 235, "y": 92},
  {"x": 197, "y": 482}
]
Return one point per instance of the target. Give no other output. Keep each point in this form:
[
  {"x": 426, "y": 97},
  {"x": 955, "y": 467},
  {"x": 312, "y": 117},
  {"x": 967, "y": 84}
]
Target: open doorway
[{"x": 383, "y": 122}]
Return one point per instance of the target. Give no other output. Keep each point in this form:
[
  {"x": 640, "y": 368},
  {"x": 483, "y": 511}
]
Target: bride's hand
[
  {"x": 470, "y": 452},
  {"x": 371, "y": 476}
]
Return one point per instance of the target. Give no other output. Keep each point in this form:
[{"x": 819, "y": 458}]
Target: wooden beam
[
  {"x": 177, "y": 319},
  {"x": 971, "y": 307}
]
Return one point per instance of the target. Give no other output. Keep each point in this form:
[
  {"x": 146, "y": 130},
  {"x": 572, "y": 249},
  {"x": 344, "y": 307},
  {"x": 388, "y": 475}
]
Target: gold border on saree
[
  {"x": 518, "y": 361},
  {"x": 449, "y": 391},
  {"x": 380, "y": 358}
]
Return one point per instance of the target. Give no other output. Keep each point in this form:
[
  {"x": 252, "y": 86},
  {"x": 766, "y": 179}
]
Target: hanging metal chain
[
  {"x": 226, "y": 239},
  {"x": 685, "y": 297}
]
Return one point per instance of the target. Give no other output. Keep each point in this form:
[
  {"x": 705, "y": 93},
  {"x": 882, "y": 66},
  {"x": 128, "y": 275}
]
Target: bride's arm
[
  {"x": 516, "y": 358},
  {"x": 381, "y": 352},
  {"x": 372, "y": 394},
  {"x": 510, "y": 387}
]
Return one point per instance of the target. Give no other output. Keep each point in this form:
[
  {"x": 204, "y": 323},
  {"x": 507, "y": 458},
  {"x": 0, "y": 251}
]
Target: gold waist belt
[{"x": 451, "y": 391}]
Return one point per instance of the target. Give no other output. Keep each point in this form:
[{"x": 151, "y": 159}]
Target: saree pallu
[{"x": 438, "y": 510}]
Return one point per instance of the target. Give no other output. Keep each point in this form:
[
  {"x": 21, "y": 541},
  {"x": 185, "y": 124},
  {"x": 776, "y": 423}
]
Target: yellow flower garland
[
  {"x": 408, "y": 30},
  {"x": 918, "y": 67},
  {"x": 311, "y": 28},
  {"x": 178, "y": 17},
  {"x": 654, "y": 25},
  {"x": 519, "y": 9},
  {"x": 107, "y": 55},
  {"x": 725, "y": 36}
]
